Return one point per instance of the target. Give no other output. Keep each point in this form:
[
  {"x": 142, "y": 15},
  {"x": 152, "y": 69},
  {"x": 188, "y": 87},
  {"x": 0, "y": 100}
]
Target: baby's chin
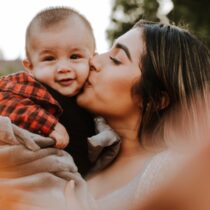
[{"x": 69, "y": 93}]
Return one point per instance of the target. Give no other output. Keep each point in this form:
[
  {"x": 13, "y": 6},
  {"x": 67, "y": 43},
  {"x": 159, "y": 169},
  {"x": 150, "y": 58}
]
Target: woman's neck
[{"x": 128, "y": 132}]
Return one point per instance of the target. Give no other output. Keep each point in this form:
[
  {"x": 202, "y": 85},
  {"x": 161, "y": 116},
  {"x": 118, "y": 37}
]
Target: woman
[{"x": 150, "y": 70}]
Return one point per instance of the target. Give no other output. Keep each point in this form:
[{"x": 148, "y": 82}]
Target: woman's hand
[
  {"x": 78, "y": 196},
  {"x": 17, "y": 161},
  {"x": 23, "y": 153}
]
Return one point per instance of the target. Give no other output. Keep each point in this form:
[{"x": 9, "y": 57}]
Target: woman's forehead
[{"x": 133, "y": 42}]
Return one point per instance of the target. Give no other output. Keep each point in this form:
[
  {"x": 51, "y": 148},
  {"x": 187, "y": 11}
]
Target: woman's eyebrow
[{"x": 125, "y": 49}]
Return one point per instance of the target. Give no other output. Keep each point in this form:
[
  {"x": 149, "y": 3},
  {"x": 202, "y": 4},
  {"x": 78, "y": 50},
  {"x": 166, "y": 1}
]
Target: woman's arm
[{"x": 32, "y": 175}]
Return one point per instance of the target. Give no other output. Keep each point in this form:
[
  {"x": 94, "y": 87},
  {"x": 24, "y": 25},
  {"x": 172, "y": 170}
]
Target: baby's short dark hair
[{"x": 50, "y": 17}]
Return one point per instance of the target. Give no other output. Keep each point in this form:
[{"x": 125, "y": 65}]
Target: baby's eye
[
  {"x": 48, "y": 58},
  {"x": 75, "y": 56},
  {"x": 114, "y": 60}
]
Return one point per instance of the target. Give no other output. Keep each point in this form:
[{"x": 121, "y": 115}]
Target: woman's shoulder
[{"x": 118, "y": 175}]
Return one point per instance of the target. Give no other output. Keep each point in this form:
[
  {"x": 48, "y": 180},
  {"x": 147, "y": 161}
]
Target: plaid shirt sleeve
[{"x": 26, "y": 114}]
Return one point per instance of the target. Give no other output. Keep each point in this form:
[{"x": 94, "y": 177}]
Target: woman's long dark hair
[{"x": 175, "y": 65}]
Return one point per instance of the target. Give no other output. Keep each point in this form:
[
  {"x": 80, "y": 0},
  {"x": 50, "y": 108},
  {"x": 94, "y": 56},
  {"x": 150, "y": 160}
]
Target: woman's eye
[
  {"x": 75, "y": 56},
  {"x": 48, "y": 58},
  {"x": 114, "y": 60}
]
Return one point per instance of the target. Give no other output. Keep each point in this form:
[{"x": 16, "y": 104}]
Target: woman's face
[{"x": 108, "y": 91}]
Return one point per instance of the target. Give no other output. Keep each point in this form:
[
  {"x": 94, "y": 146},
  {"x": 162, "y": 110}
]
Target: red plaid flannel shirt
[{"x": 28, "y": 104}]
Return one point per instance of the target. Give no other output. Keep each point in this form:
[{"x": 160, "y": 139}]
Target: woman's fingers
[
  {"x": 67, "y": 175},
  {"x": 43, "y": 163},
  {"x": 8, "y": 159},
  {"x": 78, "y": 196},
  {"x": 30, "y": 140},
  {"x": 13, "y": 135},
  {"x": 72, "y": 202}
]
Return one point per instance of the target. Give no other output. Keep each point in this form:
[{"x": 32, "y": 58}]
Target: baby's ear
[{"x": 27, "y": 64}]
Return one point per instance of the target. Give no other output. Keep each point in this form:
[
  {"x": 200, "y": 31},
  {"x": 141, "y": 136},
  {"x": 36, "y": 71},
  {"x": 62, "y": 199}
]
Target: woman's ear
[
  {"x": 164, "y": 101},
  {"x": 27, "y": 64}
]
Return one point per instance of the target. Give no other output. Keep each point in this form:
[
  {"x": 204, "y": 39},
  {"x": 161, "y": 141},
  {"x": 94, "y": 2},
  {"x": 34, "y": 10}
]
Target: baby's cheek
[
  {"x": 84, "y": 70},
  {"x": 43, "y": 75}
]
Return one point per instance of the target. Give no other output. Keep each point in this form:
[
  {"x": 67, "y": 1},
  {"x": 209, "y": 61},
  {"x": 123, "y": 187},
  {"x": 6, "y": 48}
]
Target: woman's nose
[{"x": 95, "y": 63}]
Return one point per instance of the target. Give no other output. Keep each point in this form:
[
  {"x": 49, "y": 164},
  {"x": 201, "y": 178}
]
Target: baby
[{"x": 42, "y": 99}]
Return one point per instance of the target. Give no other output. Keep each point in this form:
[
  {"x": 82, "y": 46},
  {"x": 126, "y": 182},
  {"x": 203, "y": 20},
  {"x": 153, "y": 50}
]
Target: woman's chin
[{"x": 83, "y": 100}]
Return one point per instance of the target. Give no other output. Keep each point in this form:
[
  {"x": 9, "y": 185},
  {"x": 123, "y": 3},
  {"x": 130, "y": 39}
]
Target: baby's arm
[
  {"x": 26, "y": 114},
  {"x": 60, "y": 135}
]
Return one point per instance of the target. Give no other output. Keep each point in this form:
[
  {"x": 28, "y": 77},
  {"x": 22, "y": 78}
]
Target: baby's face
[{"x": 60, "y": 56}]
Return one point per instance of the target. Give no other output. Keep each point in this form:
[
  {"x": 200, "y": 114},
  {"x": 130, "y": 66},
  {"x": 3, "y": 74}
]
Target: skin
[
  {"x": 108, "y": 93},
  {"x": 112, "y": 76},
  {"x": 59, "y": 55}
]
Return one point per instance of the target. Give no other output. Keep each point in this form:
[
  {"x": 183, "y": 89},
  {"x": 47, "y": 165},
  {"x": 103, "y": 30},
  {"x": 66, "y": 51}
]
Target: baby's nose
[
  {"x": 63, "y": 70},
  {"x": 63, "y": 66}
]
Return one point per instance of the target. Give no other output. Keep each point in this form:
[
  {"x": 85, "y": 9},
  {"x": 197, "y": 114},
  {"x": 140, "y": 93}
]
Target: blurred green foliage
[
  {"x": 193, "y": 13},
  {"x": 10, "y": 66},
  {"x": 125, "y": 13},
  {"x": 196, "y": 14}
]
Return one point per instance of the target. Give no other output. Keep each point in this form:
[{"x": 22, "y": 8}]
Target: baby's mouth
[{"x": 66, "y": 81}]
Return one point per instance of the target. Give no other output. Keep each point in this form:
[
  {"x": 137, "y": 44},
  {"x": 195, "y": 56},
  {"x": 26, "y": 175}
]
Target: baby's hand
[{"x": 60, "y": 135}]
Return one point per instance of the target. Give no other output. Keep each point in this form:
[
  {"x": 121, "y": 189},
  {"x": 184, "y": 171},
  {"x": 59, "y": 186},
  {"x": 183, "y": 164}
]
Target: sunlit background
[
  {"x": 109, "y": 19},
  {"x": 15, "y": 16}
]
